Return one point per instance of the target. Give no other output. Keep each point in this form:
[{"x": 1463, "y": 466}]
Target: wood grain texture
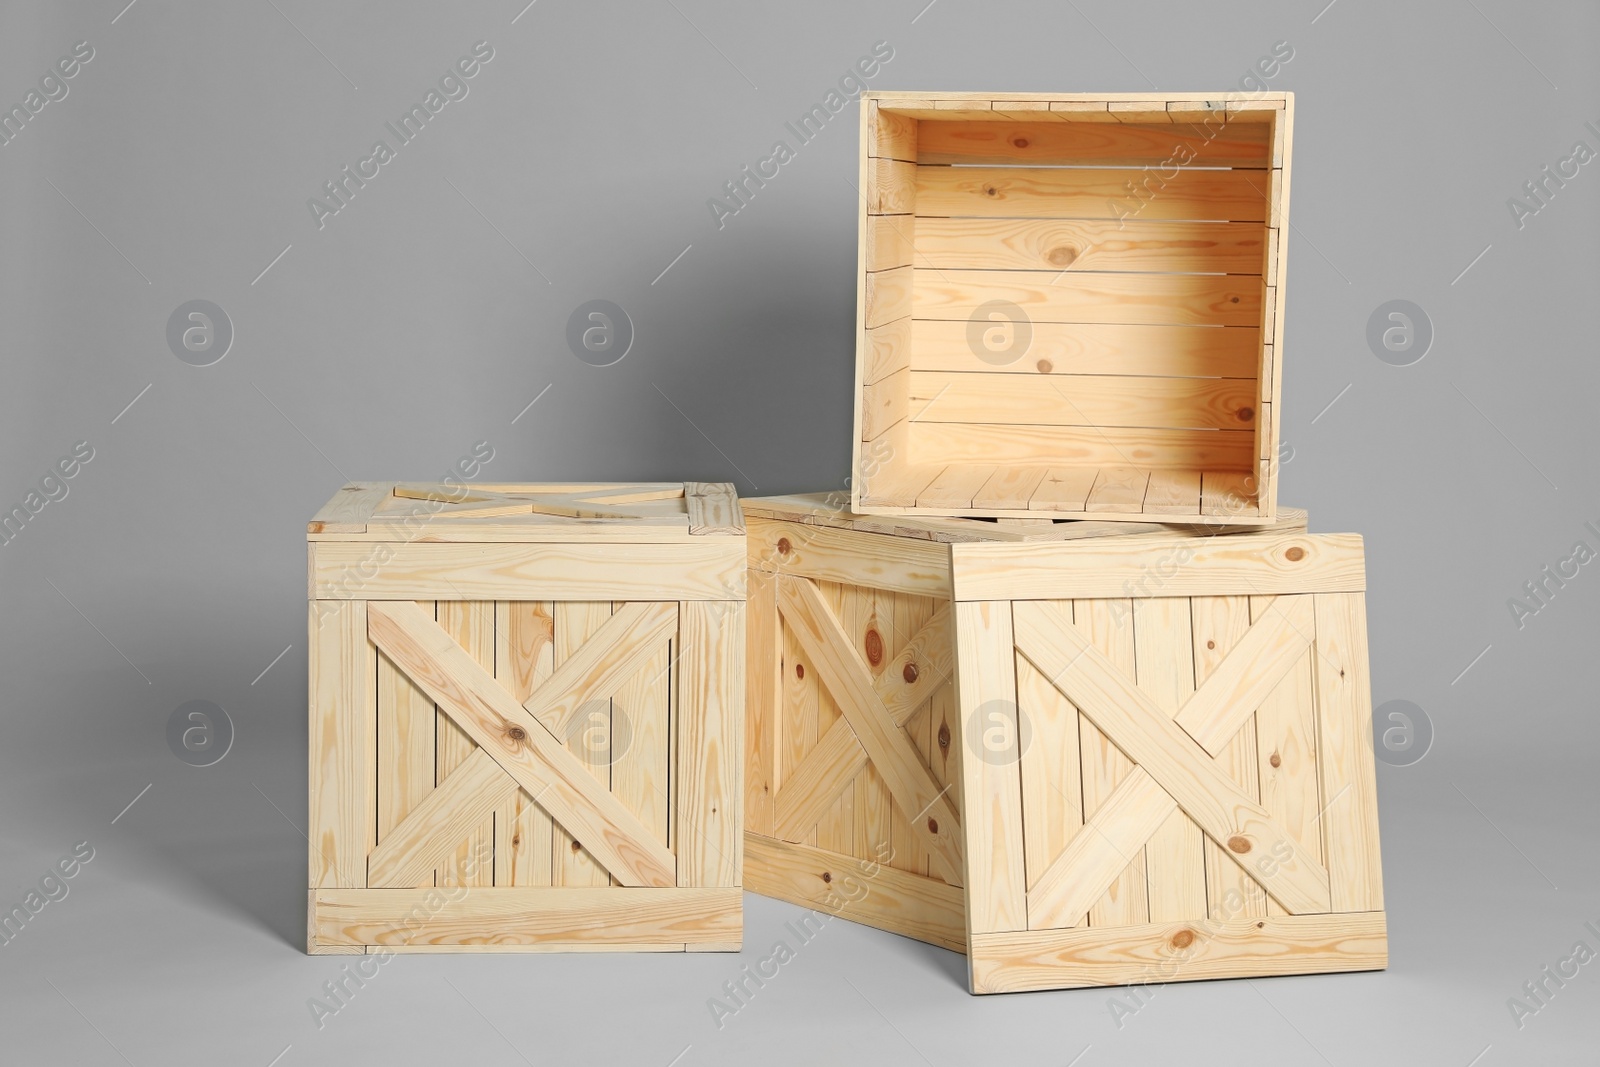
[
  {"x": 471, "y": 623},
  {"x": 1091, "y": 297},
  {"x": 713, "y": 509},
  {"x": 1088, "y": 348},
  {"x": 1093, "y": 144},
  {"x": 1087, "y": 245},
  {"x": 1349, "y": 778},
  {"x": 945, "y": 443},
  {"x": 763, "y": 702},
  {"x": 820, "y": 553},
  {"x": 586, "y": 734},
  {"x": 343, "y": 726},
  {"x": 1083, "y": 400},
  {"x": 594, "y": 664},
  {"x": 524, "y": 659},
  {"x": 1237, "y": 682},
  {"x": 709, "y": 835},
  {"x": 1089, "y": 193},
  {"x": 456, "y": 810},
  {"x": 406, "y": 746},
  {"x": 350, "y": 509}
]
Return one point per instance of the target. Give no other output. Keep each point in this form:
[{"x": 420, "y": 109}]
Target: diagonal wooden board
[
  {"x": 1247, "y": 832},
  {"x": 521, "y": 744},
  {"x": 932, "y": 813}
]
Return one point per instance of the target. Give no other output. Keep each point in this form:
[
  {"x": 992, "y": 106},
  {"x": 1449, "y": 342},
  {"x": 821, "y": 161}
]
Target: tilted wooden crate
[
  {"x": 1083, "y": 753},
  {"x": 526, "y": 718},
  {"x": 1071, "y": 305}
]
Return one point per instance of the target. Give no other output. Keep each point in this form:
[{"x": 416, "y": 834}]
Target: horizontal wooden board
[
  {"x": 1112, "y": 446},
  {"x": 850, "y": 558},
  {"x": 527, "y": 916},
  {"x": 1091, "y": 193},
  {"x": 1051, "y": 142},
  {"x": 1071, "y": 296},
  {"x": 1086, "y": 348},
  {"x": 699, "y": 568},
  {"x": 1156, "y": 953},
  {"x": 1084, "y": 400},
  {"x": 1257, "y": 565},
  {"x": 1083, "y": 244},
  {"x": 875, "y": 894}
]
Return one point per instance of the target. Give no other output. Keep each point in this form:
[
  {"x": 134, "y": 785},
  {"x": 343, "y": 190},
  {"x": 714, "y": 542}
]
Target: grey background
[{"x": 425, "y": 317}]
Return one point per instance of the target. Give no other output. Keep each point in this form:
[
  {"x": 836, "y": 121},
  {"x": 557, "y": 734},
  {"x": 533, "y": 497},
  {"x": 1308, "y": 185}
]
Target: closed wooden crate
[
  {"x": 1071, "y": 305},
  {"x": 1084, "y": 753},
  {"x": 526, "y": 718}
]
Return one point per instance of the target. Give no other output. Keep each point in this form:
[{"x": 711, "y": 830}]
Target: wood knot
[
  {"x": 990, "y": 190},
  {"x": 944, "y": 735},
  {"x": 1239, "y": 843},
  {"x": 1246, "y": 414},
  {"x": 1295, "y": 554},
  {"x": 1020, "y": 142},
  {"x": 1045, "y": 366},
  {"x": 784, "y": 546},
  {"x": 799, "y": 670},
  {"x": 1233, "y": 300},
  {"x": 1211, "y": 644},
  {"x": 1062, "y": 255},
  {"x": 1182, "y": 939},
  {"x": 517, "y": 733},
  {"x": 1275, "y": 759},
  {"x": 874, "y": 647},
  {"x": 827, "y": 877},
  {"x": 313, "y": 527},
  {"x": 933, "y": 826},
  {"x": 910, "y": 673},
  {"x": 1261, "y": 926},
  {"x": 516, "y": 840},
  {"x": 577, "y": 846}
]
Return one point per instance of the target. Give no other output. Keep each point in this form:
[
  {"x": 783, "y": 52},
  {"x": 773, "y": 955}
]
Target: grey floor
[{"x": 430, "y": 313}]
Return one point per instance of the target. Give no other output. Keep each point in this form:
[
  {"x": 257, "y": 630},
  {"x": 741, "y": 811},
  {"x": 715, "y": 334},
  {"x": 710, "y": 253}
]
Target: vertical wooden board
[
  {"x": 944, "y": 752},
  {"x": 1286, "y": 753},
  {"x": 1175, "y": 864},
  {"x": 524, "y": 657},
  {"x": 1108, "y": 624},
  {"x": 1219, "y": 623},
  {"x": 836, "y": 831},
  {"x": 471, "y": 623},
  {"x": 709, "y": 834},
  {"x": 1052, "y": 786},
  {"x": 406, "y": 730},
  {"x": 1349, "y": 776},
  {"x": 343, "y": 713},
  {"x": 870, "y": 622},
  {"x": 588, "y": 740},
  {"x": 798, "y": 732},
  {"x": 991, "y": 779},
  {"x": 641, "y": 751},
  {"x": 763, "y": 700},
  {"x": 904, "y": 847}
]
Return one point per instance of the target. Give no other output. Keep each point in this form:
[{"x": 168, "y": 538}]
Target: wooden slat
[
  {"x": 1263, "y": 564},
  {"x": 914, "y": 677},
  {"x": 1084, "y": 244},
  {"x": 406, "y": 729},
  {"x": 763, "y": 702},
  {"x": 1091, "y": 877},
  {"x": 343, "y": 728},
  {"x": 836, "y": 830},
  {"x": 524, "y": 658},
  {"x": 1093, "y": 144},
  {"x": 1349, "y": 779},
  {"x": 1173, "y": 493},
  {"x": 955, "y": 487},
  {"x": 1153, "y": 741},
  {"x": 1052, "y": 777},
  {"x": 901, "y": 564},
  {"x": 586, "y": 734},
  {"x": 1083, "y": 400},
  {"x": 907, "y": 904},
  {"x": 991, "y": 789},
  {"x": 888, "y": 296},
  {"x": 886, "y": 349},
  {"x": 1286, "y": 746},
  {"x": 1089, "y": 193},
  {"x": 1118, "y": 489},
  {"x": 709, "y": 835},
  {"x": 558, "y": 782},
  {"x": 351, "y": 508},
  {"x": 595, "y": 664},
  {"x": 524, "y": 917},
  {"x": 889, "y": 241},
  {"x": 1094, "y": 348},
  {"x": 1080, "y": 446},
  {"x": 1062, "y": 489},
  {"x": 1179, "y": 952},
  {"x": 893, "y": 190},
  {"x": 471, "y": 623},
  {"x": 869, "y": 620},
  {"x": 887, "y": 135},
  {"x": 1091, "y": 296},
  {"x": 458, "y": 808},
  {"x": 884, "y": 404},
  {"x": 800, "y": 729},
  {"x": 641, "y": 758},
  {"x": 1239, "y": 680},
  {"x": 713, "y": 509},
  {"x": 1164, "y": 668},
  {"x": 1009, "y": 488},
  {"x": 1227, "y": 492},
  {"x": 701, "y": 568}
]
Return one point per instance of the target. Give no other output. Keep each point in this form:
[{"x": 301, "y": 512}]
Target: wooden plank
[
  {"x": 1175, "y": 866},
  {"x": 836, "y": 830},
  {"x": 1052, "y": 778},
  {"x": 907, "y": 904},
  {"x": 1172, "y": 493},
  {"x": 868, "y": 619},
  {"x": 884, "y": 404},
  {"x": 894, "y": 187},
  {"x": 1094, "y": 348},
  {"x": 1179, "y": 952},
  {"x": 1062, "y": 489},
  {"x": 991, "y": 780},
  {"x": 886, "y": 349},
  {"x": 713, "y": 509},
  {"x": 1091, "y": 296},
  {"x": 1153, "y": 741},
  {"x": 709, "y": 834},
  {"x": 702, "y": 568},
  {"x": 889, "y": 241},
  {"x": 1082, "y": 245},
  {"x": 1238, "y": 680},
  {"x": 526, "y": 750},
  {"x": 1139, "y": 111},
  {"x": 586, "y": 733},
  {"x": 1227, "y": 492},
  {"x": 1055, "y": 143},
  {"x": 471, "y": 624},
  {"x": 1080, "y": 446},
  {"x": 764, "y": 702},
  {"x": 524, "y": 659},
  {"x": 800, "y": 731},
  {"x": 845, "y": 673},
  {"x": 1118, "y": 489},
  {"x": 1089, "y": 193},
  {"x": 1286, "y": 746},
  {"x": 406, "y": 729},
  {"x": 955, "y": 487},
  {"x": 343, "y": 728},
  {"x": 529, "y": 916},
  {"x": 1344, "y": 731},
  {"x": 888, "y": 296},
  {"x": 887, "y": 135},
  {"x": 1083, "y": 400},
  {"x": 1009, "y": 488},
  {"x": 1264, "y": 564},
  {"x": 900, "y": 564},
  {"x": 594, "y": 663},
  {"x": 372, "y": 547},
  {"x": 351, "y": 508},
  {"x": 922, "y": 667},
  {"x": 458, "y": 809},
  {"x": 641, "y": 738}
]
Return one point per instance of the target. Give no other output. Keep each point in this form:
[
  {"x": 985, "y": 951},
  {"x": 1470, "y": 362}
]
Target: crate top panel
[
  {"x": 832, "y": 510},
  {"x": 1080, "y": 107},
  {"x": 529, "y": 511}
]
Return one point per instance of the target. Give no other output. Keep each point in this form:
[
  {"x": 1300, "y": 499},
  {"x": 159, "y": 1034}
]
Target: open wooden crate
[
  {"x": 1071, "y": 305},
  {"x": 526, "y": 708}
]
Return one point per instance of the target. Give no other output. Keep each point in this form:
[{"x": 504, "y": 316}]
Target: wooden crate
[
  {"x": 526, "y": 718},
  {"x": 1071, "y": 305},
  {"x": 1085, "y": 753}
]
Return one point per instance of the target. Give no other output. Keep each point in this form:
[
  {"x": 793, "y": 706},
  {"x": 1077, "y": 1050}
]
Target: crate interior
[{"x": 1070, "y": 311}]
